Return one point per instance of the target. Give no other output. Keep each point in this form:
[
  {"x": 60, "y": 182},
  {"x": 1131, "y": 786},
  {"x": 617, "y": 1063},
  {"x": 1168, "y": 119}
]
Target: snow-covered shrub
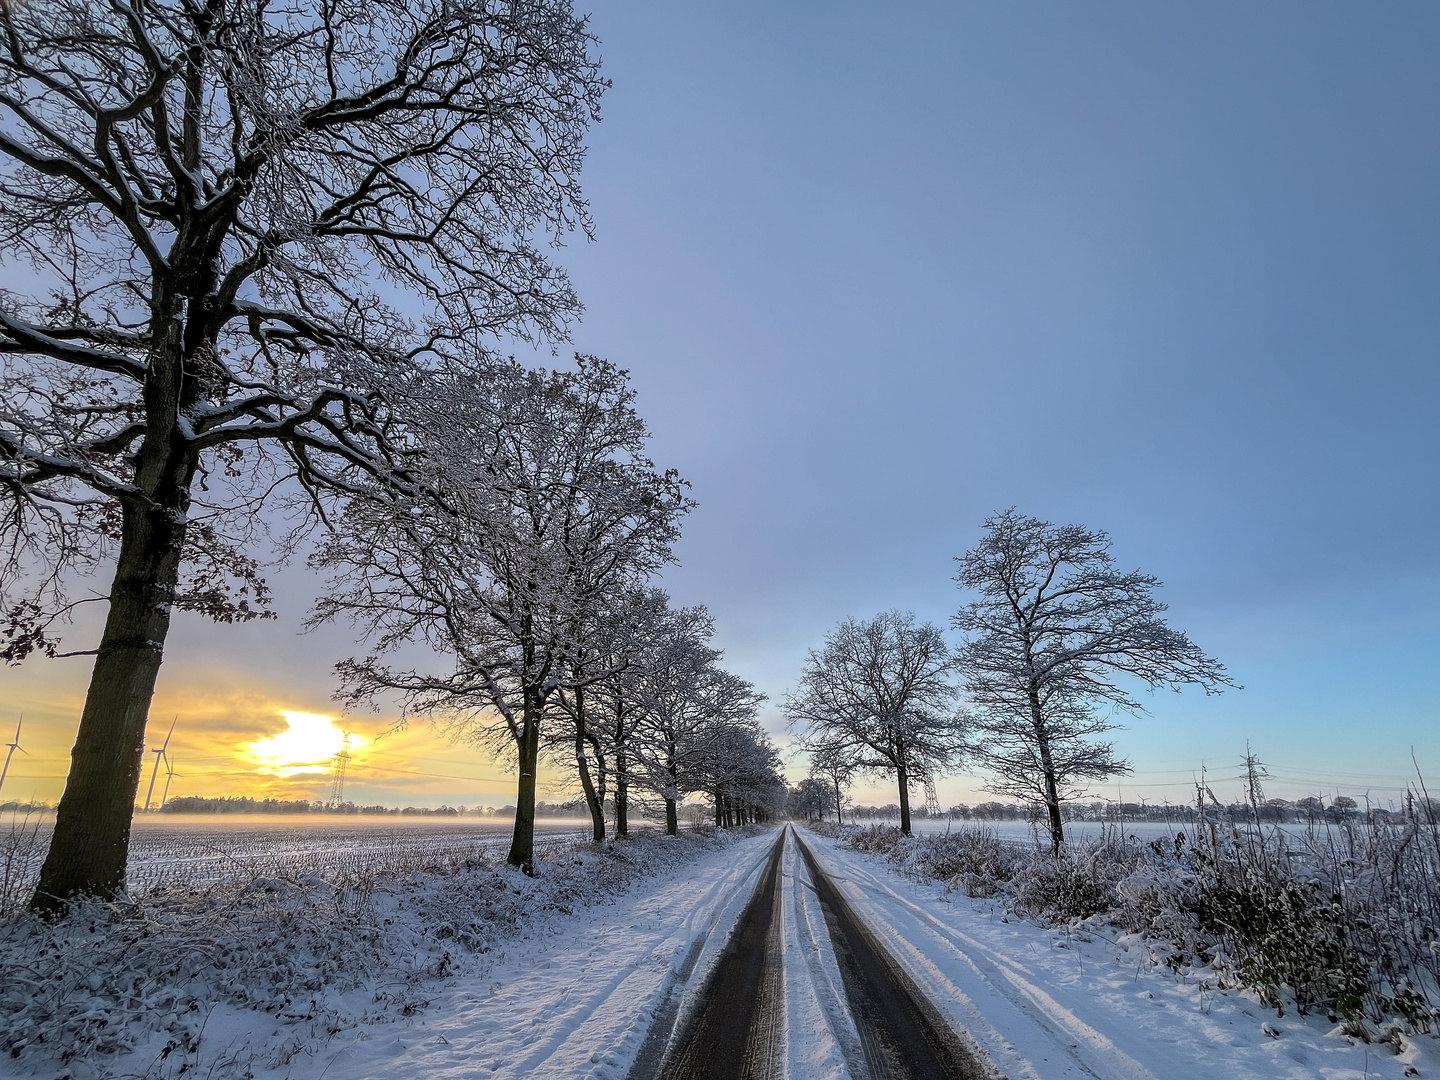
[
  {"x": 1285, "y": 933},
  {"x": 1083, "y": 882},
  {"x": 1342, "y": 917},
  {"x": 973, "y": 859},
  {"x": 881, "y": 839}
]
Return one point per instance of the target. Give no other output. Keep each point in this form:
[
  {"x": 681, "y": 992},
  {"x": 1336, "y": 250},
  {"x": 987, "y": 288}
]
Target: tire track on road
[
  {"x": 904, "y": 1036},
  {"x": 734, "y": 1031}
]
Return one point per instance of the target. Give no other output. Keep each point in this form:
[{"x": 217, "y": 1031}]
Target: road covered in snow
[{"x": 745, "y": 967}]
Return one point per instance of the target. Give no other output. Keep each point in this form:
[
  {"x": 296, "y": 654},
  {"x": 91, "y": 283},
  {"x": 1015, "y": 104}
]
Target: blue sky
[{"x": 1167, "y": 270}]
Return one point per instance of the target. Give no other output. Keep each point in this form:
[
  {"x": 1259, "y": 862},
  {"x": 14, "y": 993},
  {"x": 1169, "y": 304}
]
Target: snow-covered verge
[
  {"x": 1111, "y": 963},
  {"x": 575, "y": 1002},
  {"x": 261, "y": 976}
]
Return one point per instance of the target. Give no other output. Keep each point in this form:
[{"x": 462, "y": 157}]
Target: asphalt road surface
[{"x": 735, "y": 1028}]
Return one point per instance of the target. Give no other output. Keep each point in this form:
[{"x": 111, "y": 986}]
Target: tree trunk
[
  {"x": 522, "y": 842},
  {"x": 592, "y": 801},
  {"x": 719, "y": 809},
  {"x": 1047, "y": 768},
  {"x": 838, "y": 821},
  {"x": 90, "y": 845},
  {"x": 622, "y": 796},
  {"x": 582, "y": 765},
  {"x": 903, "y": 775},
  {"x": 672, "y": 820}
]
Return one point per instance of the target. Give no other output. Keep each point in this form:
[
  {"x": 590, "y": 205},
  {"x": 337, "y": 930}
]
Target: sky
[{"x": 1166, "y": 270}]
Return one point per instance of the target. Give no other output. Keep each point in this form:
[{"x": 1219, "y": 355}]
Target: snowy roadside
[
  {"x": 1090, "y": 1001},
  {"x": 467, "y": 968},
  {"x": 577, "y": 1001}
]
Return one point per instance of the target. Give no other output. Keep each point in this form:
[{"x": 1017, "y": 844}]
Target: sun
[{"x": 308, "y": 745}]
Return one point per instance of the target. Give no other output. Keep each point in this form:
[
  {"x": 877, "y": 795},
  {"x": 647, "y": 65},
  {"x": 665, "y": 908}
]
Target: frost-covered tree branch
[{"x": 249, "y": 228}]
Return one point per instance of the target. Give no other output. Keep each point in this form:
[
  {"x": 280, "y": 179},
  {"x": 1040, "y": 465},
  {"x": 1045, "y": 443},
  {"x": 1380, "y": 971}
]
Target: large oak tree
[
  {"x": 241, "y": 226},
  {"x": 1057, "y": 635}
]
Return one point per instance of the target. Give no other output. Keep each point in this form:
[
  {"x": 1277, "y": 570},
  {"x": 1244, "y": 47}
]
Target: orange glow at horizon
[{"x": 308, "y": 745}]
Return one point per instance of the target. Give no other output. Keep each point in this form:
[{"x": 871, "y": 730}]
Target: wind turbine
[
  {"x": 15, "y": 745},
  {"x": 169, "y": 775},
  {"x": 158, "y": 755}
]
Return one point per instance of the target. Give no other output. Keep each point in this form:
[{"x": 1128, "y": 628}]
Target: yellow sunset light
[{"x": 308, "y": 745}]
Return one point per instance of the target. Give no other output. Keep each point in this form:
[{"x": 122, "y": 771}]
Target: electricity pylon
[
  {"x": 342, "y": 759},
  {"x": 932, "y": 799}
]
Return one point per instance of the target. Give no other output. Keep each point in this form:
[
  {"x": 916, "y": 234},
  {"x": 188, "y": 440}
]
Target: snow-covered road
[
  {"x": 606, "y": 993},
  {"x": 573, "y": 1001}
]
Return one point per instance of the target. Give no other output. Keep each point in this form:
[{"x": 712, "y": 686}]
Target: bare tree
[
  {"x": 730, "y": 757},
  {"x": 596, "y": 700},
  {"x": 223, "y": 207},
  {"x": 547, "y": 509},
  {"x": 879, "y": 693},
  {"x": 1055, "y": 629},
  {"x": 622, "y": 644},
  {"x": 688, "y": 708},
  {"x": 810, "y": 799},
  {"x": 832, "y": 765}
]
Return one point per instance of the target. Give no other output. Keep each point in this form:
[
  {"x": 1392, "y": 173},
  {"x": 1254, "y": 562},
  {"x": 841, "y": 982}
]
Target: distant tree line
[
  {"x": 195, "y": 804},
  {"x": 810, "y": 800},
  {"x": 236, "y": 804}
]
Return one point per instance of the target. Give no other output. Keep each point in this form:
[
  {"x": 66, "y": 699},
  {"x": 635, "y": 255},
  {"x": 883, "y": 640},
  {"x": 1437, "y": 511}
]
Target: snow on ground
[
  {"x": 574, "y": 1000},
  {"x": 472, "y": 969},
  {"x": 485, "y": 973},
  {"x": 820, "y": 1032},
  {"x": 1047, "y": 1004}
]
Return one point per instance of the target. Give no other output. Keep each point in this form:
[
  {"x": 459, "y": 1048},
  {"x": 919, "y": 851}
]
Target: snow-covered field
[
  {"x": 1024, "y": 832},
  {"x": 200, "y": 849},
  {"x": 208, "y": 847}
]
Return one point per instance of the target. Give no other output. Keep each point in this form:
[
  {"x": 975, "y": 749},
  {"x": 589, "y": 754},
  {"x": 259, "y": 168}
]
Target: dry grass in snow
[{"x": 1340, "y": 918}]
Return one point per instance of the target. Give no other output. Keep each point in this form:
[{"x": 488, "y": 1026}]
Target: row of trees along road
[
  {"x": 1054, "y": 643},
  {"x": 524, "y": 559},
  {"x": 267, "y": 254}
]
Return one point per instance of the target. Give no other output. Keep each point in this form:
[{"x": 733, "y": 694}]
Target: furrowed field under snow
[
  {"x": 201, "y": 849},
  {"x": 246, "y": 972}
]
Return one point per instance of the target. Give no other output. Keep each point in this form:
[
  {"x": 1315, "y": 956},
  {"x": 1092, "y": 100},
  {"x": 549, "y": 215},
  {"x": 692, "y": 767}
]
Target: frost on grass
[
  {"x": 162, "y": 984},
  {"x": 1341, "y": 919}
]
